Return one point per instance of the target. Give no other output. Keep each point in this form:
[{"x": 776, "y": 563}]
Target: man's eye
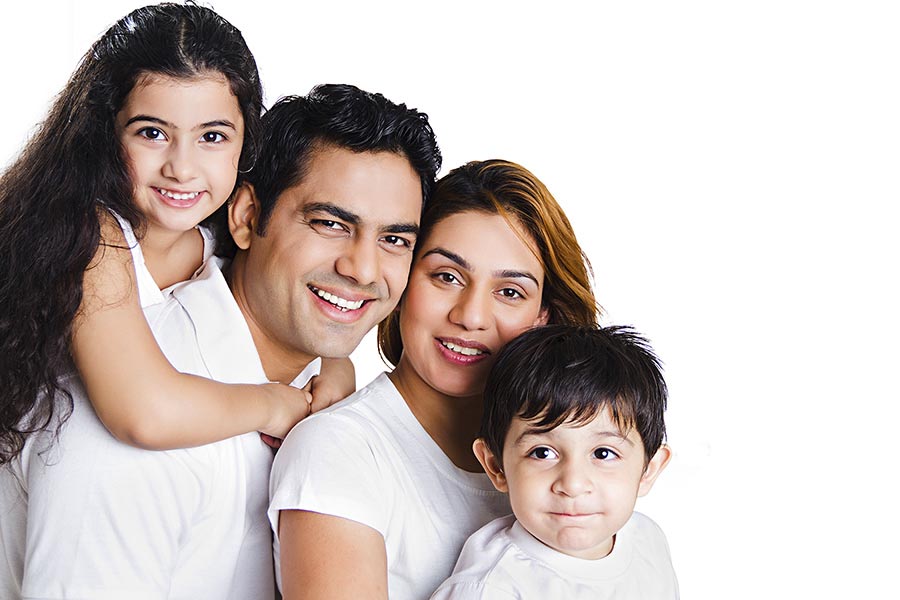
[
  {"x": 604, "y": 454},
  {"x": 543, "y": 453},
  {"x": 326, "y": 224},
  {"x": 396, "y": 240}
]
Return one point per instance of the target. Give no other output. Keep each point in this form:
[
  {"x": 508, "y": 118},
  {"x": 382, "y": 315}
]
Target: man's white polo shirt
[{"x": 106, "y": 520}]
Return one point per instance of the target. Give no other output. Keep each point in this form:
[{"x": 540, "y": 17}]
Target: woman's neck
[
  {"x": 451, "y": 422},
  {"x": 172, "y": 256}
]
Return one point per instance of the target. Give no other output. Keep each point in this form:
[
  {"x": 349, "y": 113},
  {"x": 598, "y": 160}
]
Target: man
[{"x": 324, "y": 232}]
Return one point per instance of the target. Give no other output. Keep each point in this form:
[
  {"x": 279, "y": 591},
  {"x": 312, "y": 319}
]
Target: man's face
[{"x": 335, "y": 256}]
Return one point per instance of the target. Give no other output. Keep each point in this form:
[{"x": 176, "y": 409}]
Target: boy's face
[{"x": 575, "y": 486}]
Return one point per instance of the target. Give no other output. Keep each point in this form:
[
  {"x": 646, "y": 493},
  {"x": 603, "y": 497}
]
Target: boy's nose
[{"x": 572, "y": 481}]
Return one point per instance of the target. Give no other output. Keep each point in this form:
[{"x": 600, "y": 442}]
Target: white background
[{"x": 730, "y": 169}]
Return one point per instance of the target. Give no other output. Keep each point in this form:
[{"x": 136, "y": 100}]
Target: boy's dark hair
[
  {"x": 562, "y": 373},
  {"x": 343, "y": 116}
]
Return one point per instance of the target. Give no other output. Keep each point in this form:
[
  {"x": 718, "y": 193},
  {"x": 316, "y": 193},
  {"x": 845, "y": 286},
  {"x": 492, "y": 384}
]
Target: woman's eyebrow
[
  {"x": 508, "y": 274},
  {"x": 453, "y": 256}
]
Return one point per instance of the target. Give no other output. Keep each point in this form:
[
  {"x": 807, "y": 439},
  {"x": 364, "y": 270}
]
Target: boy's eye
[
  {"x": 151, "y": 133},
  {"x": 543, "y": 453},
  {"x": 213, "y": 137},
  {"x": 604, "y": 454}
]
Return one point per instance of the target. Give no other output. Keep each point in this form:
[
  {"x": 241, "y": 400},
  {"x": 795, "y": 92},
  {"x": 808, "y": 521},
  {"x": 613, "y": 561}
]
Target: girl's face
[
  {"x": 182, "y": 139},
  {"x": 474, "y": 286}
]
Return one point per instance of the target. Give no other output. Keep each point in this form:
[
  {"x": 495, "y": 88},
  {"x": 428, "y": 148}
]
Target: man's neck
[{"x": 280, "y": 363}]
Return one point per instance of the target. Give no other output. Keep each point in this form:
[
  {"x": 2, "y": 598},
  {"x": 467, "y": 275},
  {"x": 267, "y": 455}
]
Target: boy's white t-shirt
[
  {"x": 367, "y": 459},
  {"x": 503, "y": 561}
]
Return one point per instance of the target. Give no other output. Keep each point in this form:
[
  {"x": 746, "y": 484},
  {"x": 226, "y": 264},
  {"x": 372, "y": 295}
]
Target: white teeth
[
  {"x": 462, "y": 349},
  {"x": 338, "y": 301},
  {"x": 179, "y": 196}
]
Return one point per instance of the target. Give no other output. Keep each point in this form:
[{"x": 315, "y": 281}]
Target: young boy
[{"x": 573, "y": 430}]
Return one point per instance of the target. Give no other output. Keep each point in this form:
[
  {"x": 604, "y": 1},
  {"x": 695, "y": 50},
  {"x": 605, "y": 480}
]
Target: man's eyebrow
[
  {"x": 401, "y": 228},
  {"x": 331, "y": 209}
]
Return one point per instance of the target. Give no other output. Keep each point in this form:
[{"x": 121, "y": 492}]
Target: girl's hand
[
  {"x": 287, "y": 406},
  {"x": 336, "y": 381}
]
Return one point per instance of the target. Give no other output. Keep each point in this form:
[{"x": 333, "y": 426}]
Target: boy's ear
[
  {"x": 653, "y": 469},
  {"x": 491, "y": 466},
  {"x": 242, "y": 216}
]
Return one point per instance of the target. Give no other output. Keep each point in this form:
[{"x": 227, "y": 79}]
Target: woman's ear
[
  {"x": 542, "y": 317},
  {"x": 491, "y": 465},
  {"x": 243, "y": 212},
  {"x": 653, "y": 469}
]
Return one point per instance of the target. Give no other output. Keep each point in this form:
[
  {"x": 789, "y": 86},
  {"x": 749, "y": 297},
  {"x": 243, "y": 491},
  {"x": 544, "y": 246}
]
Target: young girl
[{"x": 146, "y": 141}]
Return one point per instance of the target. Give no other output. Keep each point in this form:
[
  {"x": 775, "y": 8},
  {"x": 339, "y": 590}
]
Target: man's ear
[
  {"x": 491, "y": 466},
  {"x": 653, "y": 469},
  {"x": 243, "y": 213}
]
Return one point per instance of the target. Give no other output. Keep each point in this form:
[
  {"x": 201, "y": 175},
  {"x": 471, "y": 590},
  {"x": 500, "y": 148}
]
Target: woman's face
[{"x": 474, "y": 286}]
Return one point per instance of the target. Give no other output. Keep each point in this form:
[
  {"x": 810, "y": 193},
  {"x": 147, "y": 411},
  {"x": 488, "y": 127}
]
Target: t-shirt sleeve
[
  {"x": 331, "y": 464},
  {"x": 104, "y": 520}
]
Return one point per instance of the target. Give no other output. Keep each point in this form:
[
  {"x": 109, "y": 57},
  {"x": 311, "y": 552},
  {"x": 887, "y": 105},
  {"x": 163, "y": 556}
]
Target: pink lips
[{"x": 456, "y": 357}]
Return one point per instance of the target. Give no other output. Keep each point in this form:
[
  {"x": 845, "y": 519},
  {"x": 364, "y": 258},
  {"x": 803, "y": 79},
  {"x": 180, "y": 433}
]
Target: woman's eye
[
  {"x": 447, "y": 278},
  {"x": 511, "y": 293},
  {"x": 213, "y": 137},
  {"x": 542, "y": 453},
  {"x": 151, "y": 133},
  {"x": 604, "y": 454}
]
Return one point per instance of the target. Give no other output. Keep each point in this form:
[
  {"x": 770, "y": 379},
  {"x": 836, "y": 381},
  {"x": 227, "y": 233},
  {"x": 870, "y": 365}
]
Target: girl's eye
[
  {"x": 151, "y": 133},
  {"x": 213, "y": 137},
  {"x": 543, "y": 453},
  {"x": 604, "y": 454}
]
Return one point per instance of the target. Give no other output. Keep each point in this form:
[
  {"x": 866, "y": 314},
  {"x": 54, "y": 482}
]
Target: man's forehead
[{"x": 378, "y": 188}]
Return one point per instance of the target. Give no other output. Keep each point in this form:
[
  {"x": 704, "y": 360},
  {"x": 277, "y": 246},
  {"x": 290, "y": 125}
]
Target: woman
[{"x": 376, "y": 496}]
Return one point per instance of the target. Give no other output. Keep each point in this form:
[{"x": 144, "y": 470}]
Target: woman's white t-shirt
[{"x": 369, "y": 460}]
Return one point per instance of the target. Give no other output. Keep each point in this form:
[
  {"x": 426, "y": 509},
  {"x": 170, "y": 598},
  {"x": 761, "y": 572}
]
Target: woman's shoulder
[{"x": 359, "y": 415}]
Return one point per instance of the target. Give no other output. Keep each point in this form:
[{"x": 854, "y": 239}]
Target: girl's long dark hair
[{"x": 74, "y": 167}]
